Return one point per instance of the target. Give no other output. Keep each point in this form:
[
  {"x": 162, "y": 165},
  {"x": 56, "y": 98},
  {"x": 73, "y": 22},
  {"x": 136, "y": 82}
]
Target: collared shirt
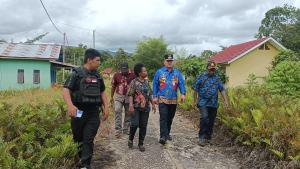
[
  {"x": 207, "y": 88},
  {"x": 140, "y": 91},
  {"x": 166, "y": 83},
  {"x": 121, "y": 82}
]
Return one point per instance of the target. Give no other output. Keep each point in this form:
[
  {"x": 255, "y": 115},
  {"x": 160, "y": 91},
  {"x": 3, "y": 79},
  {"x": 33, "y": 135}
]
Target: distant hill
[{"x": 113, "y": 53}]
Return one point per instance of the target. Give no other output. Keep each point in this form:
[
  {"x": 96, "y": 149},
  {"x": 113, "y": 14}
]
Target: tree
[
  {"x": 75, "y": 55},
  {"x": 207, "y": 54},
  {"x": 36, "y": 38},
  {"x": 276, "y": 20},
  {"x": 284, "y": 79},
  {"x": 287, "y": 55},
  {"x": 150, "y": 52},
  {"x": 291, "y": 37}
]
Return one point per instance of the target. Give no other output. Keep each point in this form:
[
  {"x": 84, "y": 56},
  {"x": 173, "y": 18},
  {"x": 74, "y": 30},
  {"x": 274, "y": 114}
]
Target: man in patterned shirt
[
  {"x": 166, "y": 82},
  {"x": 206, "y": 87},
  {"x": 120, "y": 83}
]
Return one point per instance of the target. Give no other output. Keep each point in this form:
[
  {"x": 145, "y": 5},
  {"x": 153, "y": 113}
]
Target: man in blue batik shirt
[
  {"x": 206, "y": 87},
  {"x": 166, "y": 82}
]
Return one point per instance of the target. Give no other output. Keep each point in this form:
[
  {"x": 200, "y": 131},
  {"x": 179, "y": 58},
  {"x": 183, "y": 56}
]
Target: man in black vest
[{"x": 84, "y": 95}]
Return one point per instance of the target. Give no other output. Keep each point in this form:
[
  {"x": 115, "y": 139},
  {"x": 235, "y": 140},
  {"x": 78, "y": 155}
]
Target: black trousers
[
  {"x": 167, "y": 113},
  {"x": 84, "y": 130},
  {"x": 207, "y": 120},
  {"x": 139, "y": 120}
]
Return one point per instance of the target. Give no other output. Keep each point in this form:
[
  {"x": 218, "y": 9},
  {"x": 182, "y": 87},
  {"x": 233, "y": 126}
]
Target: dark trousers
[
  {"x": 207, "y": 120},
  {"x": 139, "y": 120},
  {"x": 84, "y": 130},
  {"x": 167, "y": 113}
]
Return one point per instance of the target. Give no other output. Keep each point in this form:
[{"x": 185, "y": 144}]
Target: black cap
[
  {"x": 124, "y": 65},
  {"x": 169, "y": 57}
]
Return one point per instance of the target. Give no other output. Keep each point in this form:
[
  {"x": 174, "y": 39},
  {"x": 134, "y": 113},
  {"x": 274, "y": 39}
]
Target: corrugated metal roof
[{"x": 34, "y": 51}]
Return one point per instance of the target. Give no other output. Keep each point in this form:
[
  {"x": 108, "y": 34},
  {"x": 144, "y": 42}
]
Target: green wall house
[{"x": 29, "y": 65}]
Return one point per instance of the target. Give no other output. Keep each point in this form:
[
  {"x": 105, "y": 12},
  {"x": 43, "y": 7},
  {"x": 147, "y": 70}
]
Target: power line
[
  {"x": 76, "y": 27},
  {"x": 50, "y": 18}
]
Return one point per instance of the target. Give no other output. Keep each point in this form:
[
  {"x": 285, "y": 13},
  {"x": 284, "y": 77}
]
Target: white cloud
[{"x": 191, "y": 24}]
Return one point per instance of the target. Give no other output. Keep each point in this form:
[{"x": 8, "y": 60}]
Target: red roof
[{"x": 234, "y": 51}]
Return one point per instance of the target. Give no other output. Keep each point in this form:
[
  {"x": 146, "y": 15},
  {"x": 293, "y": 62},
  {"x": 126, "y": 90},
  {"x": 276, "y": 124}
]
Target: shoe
[
  {"x": 162, "y": 141},
  {"x": 127, "y": 132},
  {"x": 118, "y": 134},
  {"x": 130, "y": 143},
  {"x": 169, "y": 138},
  {"x": 142, "y": 148},
  {"x": 201, "y": 142},
  {"x": 86, "y": 167}
]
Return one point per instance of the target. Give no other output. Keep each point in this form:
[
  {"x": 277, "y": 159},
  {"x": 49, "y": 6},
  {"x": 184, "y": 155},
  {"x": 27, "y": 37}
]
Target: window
[
  {"x": 20, "y": 76},
  {"x": 36, "y": 76}
]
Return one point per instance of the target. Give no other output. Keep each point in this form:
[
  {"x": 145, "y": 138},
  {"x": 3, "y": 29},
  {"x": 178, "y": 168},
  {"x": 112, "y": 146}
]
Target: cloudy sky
[{"x": 194, "y": 25}]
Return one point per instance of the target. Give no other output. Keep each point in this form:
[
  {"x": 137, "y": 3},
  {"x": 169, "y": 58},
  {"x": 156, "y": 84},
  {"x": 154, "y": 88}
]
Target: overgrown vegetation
[{"x": 35, "y": 131}]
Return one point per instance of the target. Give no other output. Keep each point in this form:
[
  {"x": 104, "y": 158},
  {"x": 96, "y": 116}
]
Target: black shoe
[
  {"x": 142, "y": 148},
  {"x": 162, "y": 141},
  {"x": 130, "y": 143},
  {"x": 169, "y": 138},
  {"x": 201, "y": 142}
]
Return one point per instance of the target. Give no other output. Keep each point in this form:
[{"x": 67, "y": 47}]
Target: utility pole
[
  {"x": 64, "y": 55},
  {"x": 94, "y": 31}
]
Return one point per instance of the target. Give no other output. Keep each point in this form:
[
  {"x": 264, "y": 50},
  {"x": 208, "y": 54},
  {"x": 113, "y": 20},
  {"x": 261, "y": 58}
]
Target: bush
[
  {"x": 284, "y": 79},
  {"x": 287, "y": 55},
  {"x": 259, "y": 118},
  {"x": 35, "y": 135}
]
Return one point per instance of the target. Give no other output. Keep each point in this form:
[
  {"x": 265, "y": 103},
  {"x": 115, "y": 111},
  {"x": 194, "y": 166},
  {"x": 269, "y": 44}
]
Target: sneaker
[
  {"x": 162, "y": 141},
  {"x": 142, "y": 148},
  {"x": 169, "y": 138},
  {"x": 201, "y": 142},
  {"x": 130, "y": 143}
]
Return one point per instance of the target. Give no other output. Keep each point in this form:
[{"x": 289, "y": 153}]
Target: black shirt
[{"x": 73, "y": 82}]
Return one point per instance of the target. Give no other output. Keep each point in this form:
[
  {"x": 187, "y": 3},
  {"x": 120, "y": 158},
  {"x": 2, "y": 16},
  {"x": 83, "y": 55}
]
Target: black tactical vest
[{"x": 89, "y": 88}]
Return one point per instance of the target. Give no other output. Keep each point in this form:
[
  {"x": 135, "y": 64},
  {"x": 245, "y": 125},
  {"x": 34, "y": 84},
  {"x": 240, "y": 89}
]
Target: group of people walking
[{"x": 84, "y": 91}]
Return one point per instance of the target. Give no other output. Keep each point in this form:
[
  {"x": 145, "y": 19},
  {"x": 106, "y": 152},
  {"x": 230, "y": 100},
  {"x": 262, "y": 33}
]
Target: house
[
  {"x": 29, "y": 65},
  {"x": 253, "y": 57}
]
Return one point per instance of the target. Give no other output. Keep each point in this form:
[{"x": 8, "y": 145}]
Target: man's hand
[
  {"x": 72, "y": 110},
  {"x": 225, "y": 104},
  {"x": 154, "y": 108},
  {"x": 105, "y": 115},
  {"x": 131, "y": 109},
  {"x": 182, "y": 98},
  {"x": 155, "y": 100}
]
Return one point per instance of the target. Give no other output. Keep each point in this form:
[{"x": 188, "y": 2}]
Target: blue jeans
[
  {"x": 207, "y": 120},
  {"x": 167, "y": 113}
]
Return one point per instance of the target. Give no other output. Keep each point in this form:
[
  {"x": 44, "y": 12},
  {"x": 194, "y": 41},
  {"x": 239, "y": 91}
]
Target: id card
[{"x": 79, "y": 113}]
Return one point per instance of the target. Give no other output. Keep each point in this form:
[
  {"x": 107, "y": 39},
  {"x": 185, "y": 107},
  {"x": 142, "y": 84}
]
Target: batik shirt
[
  {"x": 166, "y": 84},
  {"x": 207, "y": 88},
  {"x": 141, "y": 92},
  {"x": 121, "y": 82}
]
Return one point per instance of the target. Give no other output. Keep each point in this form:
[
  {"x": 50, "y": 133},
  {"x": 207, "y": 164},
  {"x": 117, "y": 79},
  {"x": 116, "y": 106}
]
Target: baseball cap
[{"x": 168, "y": 57}]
